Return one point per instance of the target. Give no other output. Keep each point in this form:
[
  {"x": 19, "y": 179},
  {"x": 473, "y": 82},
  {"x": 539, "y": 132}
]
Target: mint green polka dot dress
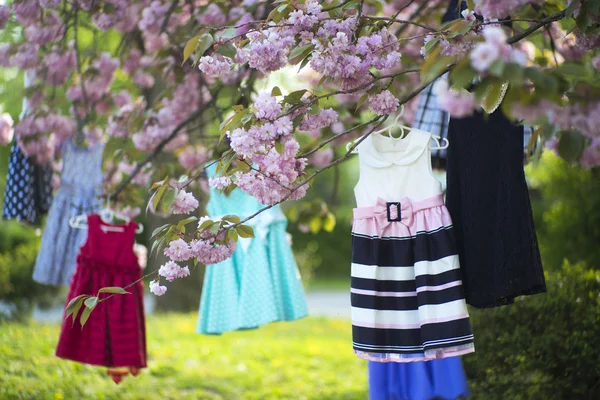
[{"x": 261, "y": 282}]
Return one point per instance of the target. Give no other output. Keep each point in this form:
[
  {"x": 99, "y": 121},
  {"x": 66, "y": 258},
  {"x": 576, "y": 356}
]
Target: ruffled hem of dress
[{"x": 429, "y": 355}]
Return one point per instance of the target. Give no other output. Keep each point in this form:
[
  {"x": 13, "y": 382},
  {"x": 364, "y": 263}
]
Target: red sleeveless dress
[{"x": 114, "y": 335}]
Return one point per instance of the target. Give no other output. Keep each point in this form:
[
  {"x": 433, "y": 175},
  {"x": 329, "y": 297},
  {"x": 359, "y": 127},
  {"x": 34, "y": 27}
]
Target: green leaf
[
  {"x": 186, "y": 221},
  {"x": 206, "y": 224},
  {"x": 189, "y": 48},
  {"x": 227, "y": 49},
  {"x": 242, "y": 166},
  {"x": 329, "y": 222},
  {"x": 157, "y": 197},
  {"x": 571, "y": 8},
  {"x": 434, "y": 65},
  {"x": 513, "y": 73},
  {"x": 168, "y": 199},
  {"x": 462, "y": 75},
  {"x": 496, "y": 68},
  {"x": 583, "y": 19},
  {"x": 228, "y": 33},
  {"x": 75, "y": 305},
  {"x": 232, "y": 235},
  {"x": 159, "y": 230},
  {"x": 91, "y": 302},
  {"x": 204, "y": 43},
  {"x": 85, "y": 314},
  {"x": 294, "y": 97},
  {"x": 234, "y": 121},
  {"x": 298, "y": 51},
  {"x": 279, "y": 146},
  {"x": 429, "y": 45},
  {"x": 572, "y": 70},
  {"x": 304, "y": 62},
  {"x": 570, "y": 146},
  {"x": 245, "y": 231},
  {"x": 361, "y": 101},
  {"x": 493, "y": 96},
  {"x": 276, "y": 91},
  {"x": 113, "y": 289},
  {"x": 234, "y": 219}
]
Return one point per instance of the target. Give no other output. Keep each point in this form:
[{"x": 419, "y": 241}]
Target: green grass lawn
[{"x": 307, "y": 359}]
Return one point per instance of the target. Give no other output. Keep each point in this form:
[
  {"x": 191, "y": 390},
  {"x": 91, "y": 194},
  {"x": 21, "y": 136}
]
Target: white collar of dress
[{"x": 413, "y": 146}]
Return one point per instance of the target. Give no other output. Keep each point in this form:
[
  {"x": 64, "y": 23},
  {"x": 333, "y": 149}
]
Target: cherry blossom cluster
[
  {"x": 458, "y": 103},
  {"x": 206, "y": 247},
  {"x": 270, "y": 150},
  {"x": 494, "y": 48},
  {"x": 494, "y": 9},
  {"x": 38, "y": 134}
]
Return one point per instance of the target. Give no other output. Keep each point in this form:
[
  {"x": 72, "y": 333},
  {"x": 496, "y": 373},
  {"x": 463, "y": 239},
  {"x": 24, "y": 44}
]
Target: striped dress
[{"x": 406, "y": 292}]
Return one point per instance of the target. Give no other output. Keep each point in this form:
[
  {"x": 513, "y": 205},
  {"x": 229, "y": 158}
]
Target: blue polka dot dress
[
  {"x": 261, "y": 282},
  {"x": 28, "y": 191},
  {"x": 80, "y": 186}
]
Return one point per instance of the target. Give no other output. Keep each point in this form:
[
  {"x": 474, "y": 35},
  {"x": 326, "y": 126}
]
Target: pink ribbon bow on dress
[{"x": 387, "y": 212}]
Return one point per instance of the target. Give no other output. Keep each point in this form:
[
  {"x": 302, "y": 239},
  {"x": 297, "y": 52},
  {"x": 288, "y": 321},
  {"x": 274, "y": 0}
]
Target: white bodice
[{"x": 393, "y": 168}]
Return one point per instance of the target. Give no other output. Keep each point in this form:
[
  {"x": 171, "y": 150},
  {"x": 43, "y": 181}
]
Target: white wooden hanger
[
  {"x": 108, "y": 215},
  {"x": 404, "y": 131}
]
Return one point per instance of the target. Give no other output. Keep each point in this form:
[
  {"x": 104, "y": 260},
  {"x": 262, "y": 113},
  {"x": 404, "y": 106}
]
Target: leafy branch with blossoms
[{"x": 172, "y": 87}]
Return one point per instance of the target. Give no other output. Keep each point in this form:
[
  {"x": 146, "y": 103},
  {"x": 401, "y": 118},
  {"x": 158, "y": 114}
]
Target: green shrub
[
  {"x": 567, "y": 211},
  {"x": 17, "y": 286},
  {"x": 543, "y": 346}
]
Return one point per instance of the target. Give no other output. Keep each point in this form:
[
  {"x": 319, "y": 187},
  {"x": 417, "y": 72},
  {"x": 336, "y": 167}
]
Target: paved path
[
  {"x": 329, "y": 304},
  {"x": 320, "y": 303}
]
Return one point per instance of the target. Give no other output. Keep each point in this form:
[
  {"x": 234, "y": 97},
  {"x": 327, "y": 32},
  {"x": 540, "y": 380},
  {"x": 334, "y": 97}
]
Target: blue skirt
[{"x": 436, "y": 379}]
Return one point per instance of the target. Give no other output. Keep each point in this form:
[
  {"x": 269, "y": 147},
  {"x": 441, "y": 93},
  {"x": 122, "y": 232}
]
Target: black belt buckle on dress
[{"x": 389, "y": 216}]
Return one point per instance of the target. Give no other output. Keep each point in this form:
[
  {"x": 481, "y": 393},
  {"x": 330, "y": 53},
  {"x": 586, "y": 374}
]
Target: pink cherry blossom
[
  {"x": 383, "y": 103},
  {"x": 157, "y": 289},
  {"x": 209, "y": 253},
  {"x": 6, "y": 129},
  {"x": 322, "y": 157},
  {"x": 266, "y": 107},
  {"x": 4, "y": 16},
  {"x": 590, "y": 158},
  {"x": 184, "y": 203},
  {"x": 178, "y": 250},
  {"x": 220, "y": 182},
  {"x": 324, "y": 118},
  {"x": 172, "y": 271},
  {"x": 457, "y": 104},
  {"x": 192, "y": 156},
  {"x": 483, "y": 56}
]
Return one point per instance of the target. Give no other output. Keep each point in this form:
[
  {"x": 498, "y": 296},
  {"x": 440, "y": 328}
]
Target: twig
[
  {"x": 130, "y": 285},
  {"x": 399, "y": 21},
  {"x": 172, "y": 8},
  {"x": 338, "y": 6},
  {"x": 339, "y": 135},
  {"x": 404, "y": 7},
  {"x": 413, "y": 16},
  {"x": 548, "y": 20}
]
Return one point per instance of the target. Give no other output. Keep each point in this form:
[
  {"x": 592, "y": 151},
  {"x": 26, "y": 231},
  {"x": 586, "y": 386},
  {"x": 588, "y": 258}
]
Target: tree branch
[
  {"x": 158, "y": 149},
  {"x": 338, "y": 6},
  {"x": 170, "y": 11},
  {"x": 398, "y": 21},
  {"x": 546, "y": 21}
]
